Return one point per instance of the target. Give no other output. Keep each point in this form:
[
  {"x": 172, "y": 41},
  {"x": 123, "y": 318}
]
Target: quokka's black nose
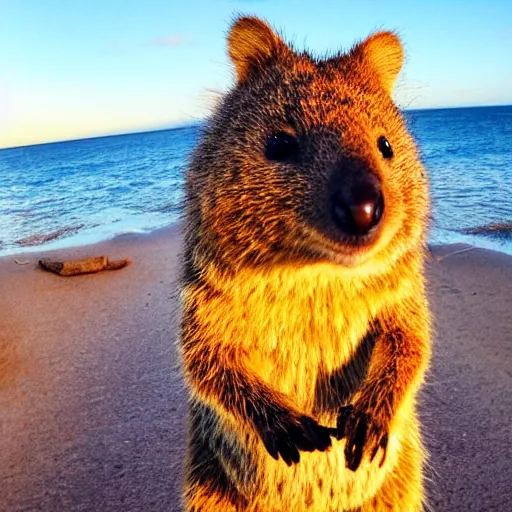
[{"x": 358, "y": 209}]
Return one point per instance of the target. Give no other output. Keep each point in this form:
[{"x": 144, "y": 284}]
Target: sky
[{"x": 84, "y": 68}]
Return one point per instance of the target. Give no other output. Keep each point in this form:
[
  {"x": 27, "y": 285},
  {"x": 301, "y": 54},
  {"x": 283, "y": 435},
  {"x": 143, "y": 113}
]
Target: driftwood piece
[{"x": 77, "y": 267}]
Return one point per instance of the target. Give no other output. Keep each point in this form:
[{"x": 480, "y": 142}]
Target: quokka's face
[{"x": 311, "y": 160}]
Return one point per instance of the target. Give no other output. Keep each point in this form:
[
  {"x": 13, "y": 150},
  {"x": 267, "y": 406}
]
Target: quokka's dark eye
[
  {"x": 385, "y": 147},
  {"x": 281, "y": 147}
]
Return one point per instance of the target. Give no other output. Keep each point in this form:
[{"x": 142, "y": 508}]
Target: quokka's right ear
[
  {"x": 251, "y": 43},
  {"x": 383, "y": 53}
]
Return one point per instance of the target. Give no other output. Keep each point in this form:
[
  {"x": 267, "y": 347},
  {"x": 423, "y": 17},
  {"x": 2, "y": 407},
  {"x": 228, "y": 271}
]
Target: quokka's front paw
[
  {"x": 365, "y": 433},
  {"x": 285, "y": 434}
]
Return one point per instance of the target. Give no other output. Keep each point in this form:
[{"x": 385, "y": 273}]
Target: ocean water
[
  {"x": 74, "y": 193},
  {"x": 468, "y": 155}
]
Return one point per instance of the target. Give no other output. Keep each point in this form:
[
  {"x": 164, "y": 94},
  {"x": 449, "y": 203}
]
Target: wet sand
[{"x": 92, "y": 405}]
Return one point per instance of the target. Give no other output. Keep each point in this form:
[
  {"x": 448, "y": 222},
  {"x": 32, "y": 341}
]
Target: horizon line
[{"x": 183, "y": 125}]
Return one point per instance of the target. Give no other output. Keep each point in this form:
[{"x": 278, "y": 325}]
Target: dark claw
[
  {"x": 384, "y": 445},
  {"x": 355, "y": 443},
  {"x": 325, "y": 439},
  {"x": 295, "y": 455},
  {"x": 288, "y": 452},
  {"x": 354, "y": 458},
  {"x": 270, "y": 444},
  {"x": 361, "y": 430},
  {"x": 343, "y": 415}
]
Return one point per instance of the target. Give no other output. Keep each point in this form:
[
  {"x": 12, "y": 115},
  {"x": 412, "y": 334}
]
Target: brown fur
[{"x": 286, "y": 321}]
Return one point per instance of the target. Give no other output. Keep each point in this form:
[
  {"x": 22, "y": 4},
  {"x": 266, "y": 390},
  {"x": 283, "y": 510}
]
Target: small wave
[
  {"x": 501, "y": 230},
  {"x": 42, "y": 238},
  {"x": 167, "y": 208}
]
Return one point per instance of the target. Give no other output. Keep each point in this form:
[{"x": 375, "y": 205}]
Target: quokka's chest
[
  {"x": 306, "y": 350},
  {"x": 291, "y": 325}
]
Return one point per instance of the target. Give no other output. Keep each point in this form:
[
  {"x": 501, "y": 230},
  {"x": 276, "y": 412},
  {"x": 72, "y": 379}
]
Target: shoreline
[
  {"x": 173, "y": 228},
  {"x": 64, "y": 244},
  {"x": 94, "y": 406},
  {"x": 117, "y": 241}
]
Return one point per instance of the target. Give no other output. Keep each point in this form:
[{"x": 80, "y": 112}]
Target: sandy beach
[{"x": 92, "y": 405}]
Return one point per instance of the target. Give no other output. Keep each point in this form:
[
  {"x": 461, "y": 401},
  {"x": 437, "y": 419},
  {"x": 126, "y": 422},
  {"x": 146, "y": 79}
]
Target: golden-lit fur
[{"x": 285, "y": 318}]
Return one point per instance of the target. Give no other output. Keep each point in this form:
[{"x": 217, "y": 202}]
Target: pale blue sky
[{"x": 72, "y": 69}]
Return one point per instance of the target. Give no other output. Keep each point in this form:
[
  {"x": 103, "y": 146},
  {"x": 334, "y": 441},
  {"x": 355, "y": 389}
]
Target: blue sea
[{"x": 80, "y": 192}]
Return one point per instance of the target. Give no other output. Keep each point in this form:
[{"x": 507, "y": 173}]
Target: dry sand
[{"x": 92, "y": 405}]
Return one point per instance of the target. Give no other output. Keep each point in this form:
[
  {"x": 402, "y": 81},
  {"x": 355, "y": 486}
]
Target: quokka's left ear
[{"x": 251, "y": 42}]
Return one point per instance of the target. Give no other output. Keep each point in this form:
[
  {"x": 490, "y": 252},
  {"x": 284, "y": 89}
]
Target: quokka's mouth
[{"x": 337, "y": 247}]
